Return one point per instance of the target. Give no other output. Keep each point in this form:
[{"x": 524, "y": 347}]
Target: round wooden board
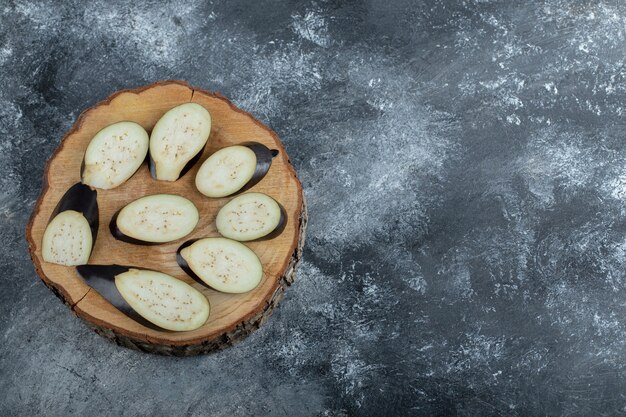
[{"x": 233, "y": 316}]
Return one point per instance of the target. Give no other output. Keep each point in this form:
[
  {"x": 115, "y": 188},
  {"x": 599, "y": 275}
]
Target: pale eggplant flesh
[
  {"x": 251, "y": 216},
  {"x": 114, "y": 154},
  {"x": 234, "y": 169},
  {"x": 154, "y": 219},
  {"x": 193, "y": 161},
  {"x": 222, "y": 264},
  {"x": 151, "y": 298},
  {"x": 177, "y": 141},
  {"x": 73, "y": 227}
]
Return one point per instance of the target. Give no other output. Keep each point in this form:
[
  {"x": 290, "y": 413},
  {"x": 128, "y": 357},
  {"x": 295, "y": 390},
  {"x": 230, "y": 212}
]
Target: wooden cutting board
[{"x": 233, "y": 316}]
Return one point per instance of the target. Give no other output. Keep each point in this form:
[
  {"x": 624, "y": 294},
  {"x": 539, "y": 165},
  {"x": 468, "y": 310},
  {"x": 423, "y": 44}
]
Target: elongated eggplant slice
[
  {"x": 234, "y": 169},
  {"x": 102, "y": 279},
  {"x": 73, "y": 228},
  {"x": 114, "y": 155},
  {"x": 149, "y": 297},
  {"x": 251, "y": 216},
  {"x": 222, "y": 264},
  {"x": 177, "y": 141},
  {"x": 155, "y": 219}
]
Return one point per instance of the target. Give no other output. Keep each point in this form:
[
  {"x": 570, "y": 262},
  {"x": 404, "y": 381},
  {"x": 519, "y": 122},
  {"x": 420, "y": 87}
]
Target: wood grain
[{"x": 232, "y": 315}]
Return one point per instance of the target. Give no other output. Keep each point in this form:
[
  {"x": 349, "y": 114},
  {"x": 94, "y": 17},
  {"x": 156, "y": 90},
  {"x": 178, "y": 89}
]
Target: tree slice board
[{"x": 233, "y": 316}]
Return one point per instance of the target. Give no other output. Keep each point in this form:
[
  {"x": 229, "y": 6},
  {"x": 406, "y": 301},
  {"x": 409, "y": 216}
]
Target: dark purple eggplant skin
[
  {"x": 264, "y": 157},
  {"x": 185, "y": 266},
  {"x": 83, "y": 199},
  {"x": 282, "y": 223},
  {"x": 102, "y": 279},
  {"x": 119, "y": 235},
  {"x": 82, "y": 168},
  {"x": 185, "y": 169}
]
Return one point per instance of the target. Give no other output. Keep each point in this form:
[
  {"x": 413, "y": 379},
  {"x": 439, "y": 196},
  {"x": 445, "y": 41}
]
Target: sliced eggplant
[
  {"x": 177, "y": 141},
  {"x": 72, "y": 228},
  {"x": 114, "y": 154},
  {"x": 251, "y": 216},
  {"x": 149, "y": 297},
  {"x": 155, "y": 219},
  {"x": 234, "y": 169},
  {"x": 222, "y": 264}
]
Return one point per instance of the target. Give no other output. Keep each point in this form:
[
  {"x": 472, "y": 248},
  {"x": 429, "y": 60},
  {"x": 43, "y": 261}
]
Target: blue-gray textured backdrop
[{"x": 465, "y": 170}]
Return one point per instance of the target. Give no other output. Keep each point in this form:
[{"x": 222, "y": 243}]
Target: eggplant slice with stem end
[
  {"x": 222, "y": 264},
  {"x": 114, "y": 154},
  {"x": 177, "y": 141},
  {"x": 251, "y": 216},
  {"x": 234, "y": 169},
  {"x": 154, "y": 219},
  {"x": 73, "y": 227},
  {"x": 153, "y": 299}
]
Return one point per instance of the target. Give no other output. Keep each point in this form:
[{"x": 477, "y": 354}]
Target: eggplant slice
[
  {"x": 234, "y": 169},
  {"x": 251, "y": 216},
  {"x": 151, "y": 298},
  {"x": 114, "y": 154},
  {"x": 73, "y": 227},
  {"x": 222, "y": 264},
  {"x": 177, "y": 141},
  {"x": 154, "y": 219}
]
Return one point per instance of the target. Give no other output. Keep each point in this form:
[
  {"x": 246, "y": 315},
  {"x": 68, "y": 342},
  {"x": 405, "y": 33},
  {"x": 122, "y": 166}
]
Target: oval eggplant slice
[
  {"x": 149, "y": 297},
  {"x": 73, "y": 228},
  {"x": 233, "y": 169},
  {"x": 163, "y": 300},
  {"x": 114, "y": 154},
  {"x": 250, "y": 216},
  {"x": 223, "y": 264},
  {"x": 67, "y": 239},
  {"x": 155, "y": 219},
  {"x": 177, "y": 141}
]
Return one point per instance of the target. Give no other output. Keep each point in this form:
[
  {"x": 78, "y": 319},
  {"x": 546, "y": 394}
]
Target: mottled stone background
[{"x": 465, "y": 169}]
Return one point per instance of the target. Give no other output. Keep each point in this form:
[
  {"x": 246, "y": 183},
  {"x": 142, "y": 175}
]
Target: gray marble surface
[{"x": 465, "y": 169}]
